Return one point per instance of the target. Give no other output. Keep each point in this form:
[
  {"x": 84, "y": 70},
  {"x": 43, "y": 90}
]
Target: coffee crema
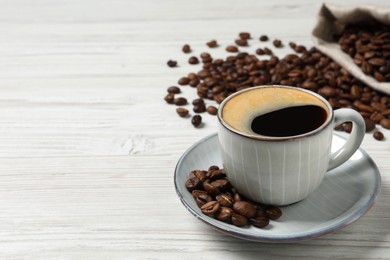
[{"x": 275, "y": 111}]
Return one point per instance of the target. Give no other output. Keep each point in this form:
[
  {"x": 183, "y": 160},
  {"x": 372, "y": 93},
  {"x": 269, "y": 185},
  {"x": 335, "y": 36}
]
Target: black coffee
[{"x": 289, "y": 121}]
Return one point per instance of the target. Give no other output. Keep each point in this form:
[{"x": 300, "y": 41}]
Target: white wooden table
[{"x": 88, "y": 146}]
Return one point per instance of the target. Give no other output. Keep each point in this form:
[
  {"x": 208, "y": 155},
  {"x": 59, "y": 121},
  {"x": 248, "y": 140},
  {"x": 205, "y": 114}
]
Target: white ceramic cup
[{"x": 283, "y": 170}]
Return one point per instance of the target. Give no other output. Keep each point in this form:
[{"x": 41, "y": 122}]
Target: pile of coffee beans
[
  {"x": 305, "y": 68},
  {"x": 369, "y": 45},
  {"x": 216, "y": 198}
]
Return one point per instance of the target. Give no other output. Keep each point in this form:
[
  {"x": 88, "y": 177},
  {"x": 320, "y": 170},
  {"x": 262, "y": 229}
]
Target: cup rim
[{"x": 328, "y": 120}]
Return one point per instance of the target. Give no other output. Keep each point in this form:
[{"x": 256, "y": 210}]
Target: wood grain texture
[{"x": 88, "y": 146}]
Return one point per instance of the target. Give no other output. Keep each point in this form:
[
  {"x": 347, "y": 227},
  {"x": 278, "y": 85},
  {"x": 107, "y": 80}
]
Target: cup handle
[{"x": 353, "y": 142}]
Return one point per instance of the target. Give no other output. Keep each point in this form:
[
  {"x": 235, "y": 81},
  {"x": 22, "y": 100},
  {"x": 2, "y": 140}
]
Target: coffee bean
[
  {"x": 244, "y": 35},
  {"x": 277, "y": 43},
  {"x": 225, "y": 200},
  {"x": 201, "y": 198},
  {"x": 267, "y": 51},
  {"x": 197, "y": 101},
  {"x": 193, "y": 184},
  {"x": 385, "y": 123},
  {"x": 224, "y": 214},
  {"x": 196, "y": 120},
  {"x": 173, "y": 90},
  {"x": 211, "y": 189},
  {"x": 169, "y": 98},
  {"x": 182, "y": 112},
  {"x": 239, "y": 220},
  {"x": 378, "y": 135},
  {"x": 193, "y": 60},
  {"x": 213, "y": 168},
  {"x": 260, "y": 51},
  {"x": 186, "y": 48},
  {"x": 183, "y": 81},
  {"x": 212, "y": 44},
  {"x": 370, "y": 125},
  {"x": 212, "y": 110},
  {"x": 216, "y": 174},
  {"x": 172, "y": 63},
  {"x": 231, "y": 48},
  {"x": 292, "y": 45},
  {"x": 201, "y": 175},
  {"x": 263, "y": 38},
  {"x": 259, "y": 221},
  {"x": 210, "y": 208},
  {"x": 244, "y": 208},
  {"x": 241, "y": 42},
  {"x": 273, "y": 212},
  {"x": 199, "y": 108},
  {"x": 180, "y": 101}
]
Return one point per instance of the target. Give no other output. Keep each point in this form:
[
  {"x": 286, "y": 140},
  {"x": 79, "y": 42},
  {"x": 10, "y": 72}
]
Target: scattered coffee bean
[
  {"x": 263, "y": 38},
  {"x": 193, "y": 60},
  {"x": 199, "y": 108},
  {"x": 197, "y": 101},
  {"x": 260, "y": 51},
  {"x": 244, "y": 35},
  {"x": 241, "y": 42},
  {"x": 182, "y": 112},
  {"x": 173, "y": 90},
  {"x": 196, "y": 120},
  {"x": 385, "y": 123},
  {"x": 183, "y": 81},
  {"x": 186, "y": 48},
  {"x": 378, "y": 135},
  {"x": 231, "y": 48},
  {"x": 172, "y": 63},
  {"x": 213, "y": 194},
  {"x": 169, "y": 98},
  {"x": 212, "y": 110},
  {"x": 267, "y": 51},
  {"x": 277, "y": 43},
  {"x": 212, "y": 44},
  {"x": 180, "y": 101}
]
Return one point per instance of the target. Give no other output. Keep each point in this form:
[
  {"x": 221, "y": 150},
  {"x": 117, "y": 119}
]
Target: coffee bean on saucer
[
  {"x": 193, "y": 184},
  {"x": 273, "y": 212},
  {"x": 244, "y": 208},
  {"x": 239, "y": 220},
  {"x": 210, "y": 208},
  {"x": 224, "y": 214},
  {"x": 225, "y": 199},
  {"x": 196, "y": 120},
  {"x": 259, "y": 221}
]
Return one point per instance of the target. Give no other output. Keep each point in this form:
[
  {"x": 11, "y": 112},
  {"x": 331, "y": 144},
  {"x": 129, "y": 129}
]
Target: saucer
[{"x": 345, "y": 195}]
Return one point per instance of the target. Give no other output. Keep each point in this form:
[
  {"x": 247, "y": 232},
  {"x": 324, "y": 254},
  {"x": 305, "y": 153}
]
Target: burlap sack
[{"x": 331, "y": 20}]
